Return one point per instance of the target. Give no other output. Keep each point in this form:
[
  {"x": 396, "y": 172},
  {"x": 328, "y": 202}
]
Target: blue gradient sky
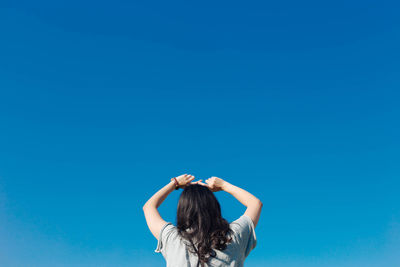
[{"x": 102, "y": 102}]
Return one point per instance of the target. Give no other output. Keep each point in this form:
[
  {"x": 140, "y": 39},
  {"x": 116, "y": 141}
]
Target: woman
[{"x": 202, "y": 237}]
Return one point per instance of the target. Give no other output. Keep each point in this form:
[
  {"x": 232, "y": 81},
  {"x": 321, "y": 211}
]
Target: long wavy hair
[{"x": 200, "y": 223}]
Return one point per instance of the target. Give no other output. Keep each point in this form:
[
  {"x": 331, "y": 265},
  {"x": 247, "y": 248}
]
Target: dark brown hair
[{"x": 200, "y": 223}]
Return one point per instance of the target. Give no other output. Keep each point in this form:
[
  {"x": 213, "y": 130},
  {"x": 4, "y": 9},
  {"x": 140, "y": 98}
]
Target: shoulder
[
  {"x": 168, "y": 237},
  {"x": 244, "y": 233},
  {"x": 167, "y": 230},
  {"x": 243, "y": 222}
]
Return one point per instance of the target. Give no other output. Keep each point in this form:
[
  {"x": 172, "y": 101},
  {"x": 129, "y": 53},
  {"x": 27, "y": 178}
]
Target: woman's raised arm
[
  {"x": 153, "y": 218},
  {"x": 252, "y": 203}
]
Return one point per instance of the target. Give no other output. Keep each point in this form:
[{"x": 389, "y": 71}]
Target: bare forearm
[
  {"x": 158, "y": 198},
  {"x": 240, "y": 194},
  {"x": 253, "y": 204},
  {"x": 153, "y": 218}
]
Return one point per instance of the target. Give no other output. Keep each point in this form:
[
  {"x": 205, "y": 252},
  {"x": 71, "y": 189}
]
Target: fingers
[
  {"x": 203, "y": 184},
  {"x": 186, "y": 179},
  {"x": 200, "y": 182},
  {"x": 210, "y": 181},
  {"x": 189, "y": 178}
]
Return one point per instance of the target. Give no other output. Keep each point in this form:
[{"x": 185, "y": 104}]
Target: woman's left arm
[{"x": 153, "y": 217}]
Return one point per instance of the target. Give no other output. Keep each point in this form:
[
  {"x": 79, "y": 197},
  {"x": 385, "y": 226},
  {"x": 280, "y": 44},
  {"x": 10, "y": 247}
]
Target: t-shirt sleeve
[
  {"x": 245, "y": 234},
  {"x": 166, "y": 237}
]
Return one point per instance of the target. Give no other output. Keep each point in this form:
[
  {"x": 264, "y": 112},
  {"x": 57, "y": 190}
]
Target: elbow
[
  {"x": 145, "y": 206},
  {"x": 148, "y": 206},
  {"x": 259, "y": 203},
  {"x": 255, "y": 203}
]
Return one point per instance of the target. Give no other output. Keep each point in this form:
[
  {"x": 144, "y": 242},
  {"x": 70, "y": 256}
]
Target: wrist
[
  {"x": 225, "y": 186},
  {"x": 175, "y": 183}
]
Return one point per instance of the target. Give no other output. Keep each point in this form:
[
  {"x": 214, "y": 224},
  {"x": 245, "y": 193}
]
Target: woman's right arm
[{"x": 252, "y": 203}]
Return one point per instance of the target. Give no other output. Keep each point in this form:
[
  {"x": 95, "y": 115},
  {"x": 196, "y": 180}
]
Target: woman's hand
[
  {"x": 184, "y": 180},
  {"x": 215, "y": 184}
]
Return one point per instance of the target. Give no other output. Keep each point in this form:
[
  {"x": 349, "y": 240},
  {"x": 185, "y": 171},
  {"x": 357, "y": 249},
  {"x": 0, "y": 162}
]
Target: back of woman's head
[{"x": 199, "y": 222}]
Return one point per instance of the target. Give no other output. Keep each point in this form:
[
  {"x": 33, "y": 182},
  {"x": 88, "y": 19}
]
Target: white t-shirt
[{"x": 176, "y": 254}]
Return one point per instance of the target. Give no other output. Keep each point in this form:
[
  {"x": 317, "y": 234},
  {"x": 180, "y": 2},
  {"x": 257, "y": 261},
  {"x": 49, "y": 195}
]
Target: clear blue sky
[{"x": 101, "y": 103}]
